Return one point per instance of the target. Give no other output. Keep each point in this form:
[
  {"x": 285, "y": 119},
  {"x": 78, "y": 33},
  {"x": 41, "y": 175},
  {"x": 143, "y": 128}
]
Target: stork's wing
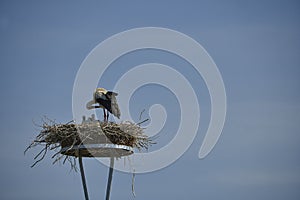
[
  {"x": 104, "y": 102},
  {"x": 114, "y": 107}
]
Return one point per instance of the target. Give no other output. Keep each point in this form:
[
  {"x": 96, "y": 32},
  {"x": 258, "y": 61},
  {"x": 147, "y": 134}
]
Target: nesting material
[{"x": 54, "y": 136}]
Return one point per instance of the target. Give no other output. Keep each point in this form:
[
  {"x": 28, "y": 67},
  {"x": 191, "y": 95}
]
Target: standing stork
[{"x": 107, "y": 101}]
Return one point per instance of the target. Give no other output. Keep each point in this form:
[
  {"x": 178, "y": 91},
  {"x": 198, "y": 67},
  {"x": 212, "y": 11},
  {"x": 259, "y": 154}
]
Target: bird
[{"x": 107, "y": 101}]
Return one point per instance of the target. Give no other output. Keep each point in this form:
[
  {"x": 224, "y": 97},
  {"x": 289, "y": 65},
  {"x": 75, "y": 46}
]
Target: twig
[
  {"x": 142, "y": 122},
  {"x": 132, "y": 184},
  {"x": 141, "y": 114},
  {"x": 43, "y": 150}
]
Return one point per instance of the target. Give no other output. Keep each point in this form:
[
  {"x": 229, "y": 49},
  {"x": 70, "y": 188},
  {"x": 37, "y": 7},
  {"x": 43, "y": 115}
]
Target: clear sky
[{"x": 255, "y": 45}]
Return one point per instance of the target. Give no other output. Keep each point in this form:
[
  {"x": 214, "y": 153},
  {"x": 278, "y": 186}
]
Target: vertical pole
[
  {"x": 83, "y": 179},
  {"x": 110, "y": 174}
]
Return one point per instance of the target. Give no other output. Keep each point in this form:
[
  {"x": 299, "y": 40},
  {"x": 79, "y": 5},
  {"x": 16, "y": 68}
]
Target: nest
[{"x": 55, "y": 136}]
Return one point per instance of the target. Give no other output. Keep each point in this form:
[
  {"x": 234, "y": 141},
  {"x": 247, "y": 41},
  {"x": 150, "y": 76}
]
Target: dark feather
[
  {"x": 114, "y": 105},
  {"x": 109, "y": 102}
]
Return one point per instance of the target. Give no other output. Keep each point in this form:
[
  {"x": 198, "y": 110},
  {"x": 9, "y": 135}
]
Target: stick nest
[{"x": 55, "y": 136}]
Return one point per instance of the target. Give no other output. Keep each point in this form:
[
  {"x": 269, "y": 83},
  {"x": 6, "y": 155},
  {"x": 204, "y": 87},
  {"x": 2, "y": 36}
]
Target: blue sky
[{"x": 255, "y": 45}]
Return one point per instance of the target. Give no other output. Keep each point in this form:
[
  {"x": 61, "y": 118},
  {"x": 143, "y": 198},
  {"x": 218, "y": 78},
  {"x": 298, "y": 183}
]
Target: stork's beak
[{"x": 89, "y": 105}]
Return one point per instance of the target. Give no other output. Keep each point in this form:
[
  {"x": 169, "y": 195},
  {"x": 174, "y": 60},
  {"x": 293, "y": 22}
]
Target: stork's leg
[
  {"x": 107, "y": 116},
  {"x": 104, "y": 113}
]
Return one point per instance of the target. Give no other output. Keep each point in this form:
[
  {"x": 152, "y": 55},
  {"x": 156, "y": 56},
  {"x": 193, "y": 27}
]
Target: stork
[{"x": 107, "y": 101}]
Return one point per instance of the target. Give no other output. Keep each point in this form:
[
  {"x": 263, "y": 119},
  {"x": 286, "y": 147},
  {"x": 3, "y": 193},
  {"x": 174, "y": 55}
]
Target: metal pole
[
  {"x": 110, "y": 174},
  {"x": 83, "y": 178}
]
